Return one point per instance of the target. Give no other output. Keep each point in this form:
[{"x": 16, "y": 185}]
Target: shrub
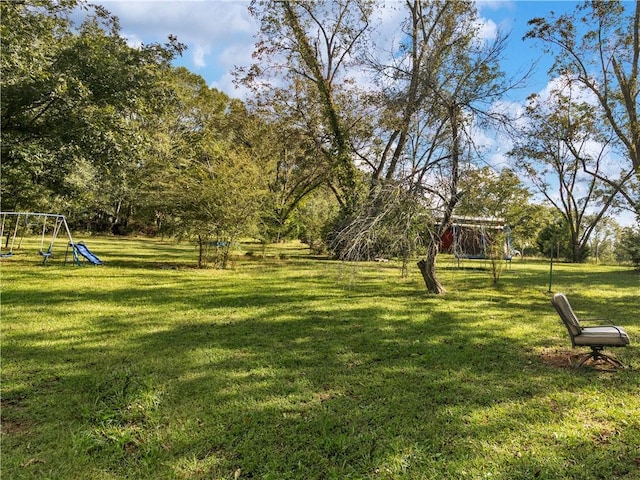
[{"x": 628, "y": 246}]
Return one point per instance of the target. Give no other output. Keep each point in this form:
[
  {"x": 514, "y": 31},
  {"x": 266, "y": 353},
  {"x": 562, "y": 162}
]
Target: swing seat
[
  {"x": 480, "y": 256},
  {"x": 46, "y": 255},
  {"x": 6, "y": 255}
]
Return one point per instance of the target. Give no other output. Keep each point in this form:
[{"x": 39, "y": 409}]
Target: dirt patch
[
  {"x": 9, "y": 424},
  {"x": 13, "y": 427},
  {"x": 559, "y": 358},
  {"x": 569, "y": 358}
]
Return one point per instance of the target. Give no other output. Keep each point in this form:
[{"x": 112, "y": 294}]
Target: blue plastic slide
[{"x": 82, "y": 249}]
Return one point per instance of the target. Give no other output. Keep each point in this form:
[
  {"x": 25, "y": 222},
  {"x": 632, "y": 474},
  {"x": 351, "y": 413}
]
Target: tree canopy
[{"x": 73, "y": 98}]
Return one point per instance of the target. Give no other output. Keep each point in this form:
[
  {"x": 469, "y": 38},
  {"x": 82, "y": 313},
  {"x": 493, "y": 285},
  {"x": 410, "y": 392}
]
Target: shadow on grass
[{"x": 304, "y": 374}]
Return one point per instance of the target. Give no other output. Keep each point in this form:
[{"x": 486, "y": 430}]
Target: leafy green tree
[
  {"x": 203, "y": 180},
  {"x": 31, "y": 38},
  {"x": 406, "y": 132},
  {"x": 501, "y": 195},
  {"x": 314, "y": 216},
  {"x": 628, "y": 246},
  {"x": 461, "y": 76},
  {"x": 554, "y": 240},
  {"x": 72, "y": 98},
  {"x": 532, "y": 219},
  {"x": 299, "y": 171},
  {"x": 316, "y": 40},
  {"x": 603, "y": 238}
]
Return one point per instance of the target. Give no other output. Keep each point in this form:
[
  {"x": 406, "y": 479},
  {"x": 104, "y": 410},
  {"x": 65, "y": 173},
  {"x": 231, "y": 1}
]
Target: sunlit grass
[{"x": 290, "y": 366}]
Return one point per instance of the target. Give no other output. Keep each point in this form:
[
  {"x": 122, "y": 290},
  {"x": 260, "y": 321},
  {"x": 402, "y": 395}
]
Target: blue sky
[{"x": 220, "y": 33}]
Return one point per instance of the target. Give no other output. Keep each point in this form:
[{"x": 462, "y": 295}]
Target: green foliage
[
  {"x": 390, "y": 224},
  {"x": 404, "y": 133},
  {"x": 603, "y": 240},
  {"x": 491, "y": 194},
  {"x": 496, "y": 251},
  {"x": 315, "y": 216},
  {"x": 72, "y": 100},
  {"x": 314, "y": 77},
  {"x": 555, "y": 240},
  {"x": 202, "y": 178},
  {"x": 296, "y": 172},
  {"x": 552, "y": 152},
  {"x": 596, "y": 49},
  {"x": 488, "y": 194},
  {"x": 628, "y": 246},
  {"x": 119, "y": 140}
]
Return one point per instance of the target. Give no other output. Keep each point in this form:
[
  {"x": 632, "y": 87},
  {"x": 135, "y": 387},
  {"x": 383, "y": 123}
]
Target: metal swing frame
[
  {"x": 59, "y": 222},
  {"x": 480, "y": 228}
]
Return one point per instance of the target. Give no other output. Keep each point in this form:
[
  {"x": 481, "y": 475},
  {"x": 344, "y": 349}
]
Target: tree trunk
[
  {"x": 427, "y": 267},
  {"x": 200, "y": 251}
]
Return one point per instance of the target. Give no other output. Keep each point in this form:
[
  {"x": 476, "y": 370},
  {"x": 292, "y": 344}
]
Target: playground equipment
[
  {"x": 80, "y": 249},
  {"x": 20, "y": 224},
  {"x": 471, "y": 238}
]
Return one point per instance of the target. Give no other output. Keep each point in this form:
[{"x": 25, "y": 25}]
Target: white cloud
[
  {"x": 218, "y": 34},
  {"x": 236, "y": 54},
  {"x": 387, "y": 20},
  {"x": 565, "y": 86},
  {"x": 133, "y": 41},
  {"x": 495, "y": 4},
  {"x": 192, "y": 21},
  {"x": 487, "y": 29},
  {"x": 225, "y": 84},
  {"x": 514, "y": 111},
  {"x": 199, "y": 54}
]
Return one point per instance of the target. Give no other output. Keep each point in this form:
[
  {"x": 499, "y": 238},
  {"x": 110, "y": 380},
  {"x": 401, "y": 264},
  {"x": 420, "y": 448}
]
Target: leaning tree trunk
[
  {"x": 427, "y": 265},
  {"x": 427, "y": 268}
]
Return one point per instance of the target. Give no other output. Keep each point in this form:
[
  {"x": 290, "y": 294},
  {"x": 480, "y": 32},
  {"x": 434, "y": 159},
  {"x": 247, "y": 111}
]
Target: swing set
[
  {"x": 19, "y": 224},
  {"x": 472, "y": 238}
]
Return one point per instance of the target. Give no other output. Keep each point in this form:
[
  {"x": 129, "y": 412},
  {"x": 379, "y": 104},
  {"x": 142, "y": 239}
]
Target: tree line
[{"x": 357, "y": 142}]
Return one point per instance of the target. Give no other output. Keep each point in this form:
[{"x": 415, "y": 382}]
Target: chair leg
[
  {"x": 596, "y": 354},
  {"x": 613, "y": 361}
]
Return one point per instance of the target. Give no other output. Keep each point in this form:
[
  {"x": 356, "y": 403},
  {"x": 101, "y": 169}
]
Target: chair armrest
[
  {"x": 618, "y": 329},
  {"x": 611, "y": 325},
  {"x": 608, "y": 321}
]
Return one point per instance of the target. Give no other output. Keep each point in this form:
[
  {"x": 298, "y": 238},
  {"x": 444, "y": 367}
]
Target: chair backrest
[{"x": 566, "y": 313}]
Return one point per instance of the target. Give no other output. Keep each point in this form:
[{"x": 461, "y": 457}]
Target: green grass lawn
[{"x": 286, "y": 366}]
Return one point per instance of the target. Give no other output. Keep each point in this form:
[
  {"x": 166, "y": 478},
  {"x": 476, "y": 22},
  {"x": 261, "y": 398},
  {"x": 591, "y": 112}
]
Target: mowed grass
[{"x": 287, "y": 366}]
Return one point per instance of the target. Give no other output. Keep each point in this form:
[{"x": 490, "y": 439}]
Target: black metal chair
[{"x": 597, "y": 337}]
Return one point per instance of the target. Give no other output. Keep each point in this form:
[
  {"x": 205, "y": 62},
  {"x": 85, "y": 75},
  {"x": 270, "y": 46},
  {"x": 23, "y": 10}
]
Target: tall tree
[
  {"x": 71, "y": 99},
  {"x": 503, "y": 195},
  {"x": 203, "y": 179},
  {"x": 560, "y": 138},
  {"x": 603, "y": 238},
  {"x": 458, "y": 79},
  {"x": 300, "y": 167},
  {"x": 317, "y": 41},
  {"x": 407, "y": 128},
  {"x": 598, "y": 47}
]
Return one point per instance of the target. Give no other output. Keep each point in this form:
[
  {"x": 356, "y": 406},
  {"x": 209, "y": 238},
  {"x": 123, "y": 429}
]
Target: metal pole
[
  {"x": 66, "y": 227},
  {"x": 550, "y": 269}
]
